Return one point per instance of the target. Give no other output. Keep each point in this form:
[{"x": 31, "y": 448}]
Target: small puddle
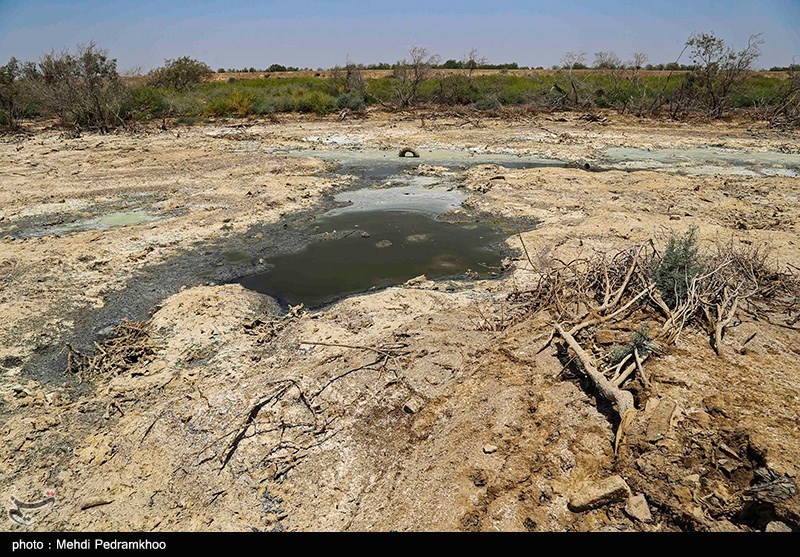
[
  {"x": 46, "y": 224},
  {"x": 391, "y": 227},
  {"x": 109, "y": 220},
  {"x": 375, "y": 249}
]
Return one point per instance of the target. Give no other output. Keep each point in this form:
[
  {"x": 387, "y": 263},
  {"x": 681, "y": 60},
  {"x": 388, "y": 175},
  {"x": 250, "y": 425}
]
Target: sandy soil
[{"x": 422, "y": 406}]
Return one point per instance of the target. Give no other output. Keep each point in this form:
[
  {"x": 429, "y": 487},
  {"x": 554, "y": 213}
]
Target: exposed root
[{"x": 623, "y": 400}]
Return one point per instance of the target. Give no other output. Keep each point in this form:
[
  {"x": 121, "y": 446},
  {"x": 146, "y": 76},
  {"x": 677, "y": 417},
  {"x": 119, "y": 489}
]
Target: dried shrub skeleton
[{"x": 658, "y": 294}]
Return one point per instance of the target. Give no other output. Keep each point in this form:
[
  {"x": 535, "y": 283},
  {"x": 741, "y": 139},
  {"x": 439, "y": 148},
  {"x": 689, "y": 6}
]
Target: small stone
[
  {"x": 478, "y": 478},
  {"x": 417, "y": 281},
  {"x": 595, "y": 495},
  {"x": 489, "y": 449},
  {"x": 661, "y": 420},
  {"x": 778, "y": 526},
  {"x": 701, "y": 418},
  {"x": 674, "y": 217},
  {"x": 383, "y": 244},
  {"x": 724, "y": 525},
  {"x": 412, "y": 406},
  {"x": 637, "y": 508},
  {"x": 365, "y": 234},
  {"x": 728, "y": 465}
]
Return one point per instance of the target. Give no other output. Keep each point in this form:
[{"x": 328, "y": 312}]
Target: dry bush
[
  {"x": 656, "y": 295},
  {"x": 10, "y": 105},
  {"x": 785, "y": 113},
  {"x": 82, "y": 89},
  {"x": 570, "y": 85},
  {"x": 718, "y": 69},
  {"x": 409, "y": 74},
  {"x": 349, "y": 79}
]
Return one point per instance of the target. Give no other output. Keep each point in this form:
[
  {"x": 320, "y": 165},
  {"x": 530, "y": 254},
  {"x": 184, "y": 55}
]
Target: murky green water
[
  {"x": 109, "y": 220},
  {"x": 375, "y": 249},
  {"x": 382, "y": 234}
]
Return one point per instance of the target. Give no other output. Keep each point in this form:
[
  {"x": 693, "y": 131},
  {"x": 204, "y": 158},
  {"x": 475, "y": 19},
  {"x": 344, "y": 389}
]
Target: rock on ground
[
  {"x": 637, "y": 508},
  {"x": 595, "y": 495}
]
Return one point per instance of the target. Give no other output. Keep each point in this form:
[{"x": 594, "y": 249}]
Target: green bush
[
  {"x": 179, "y": 74},
  {"x": 314, "y": 101},
  {"x": 457, "y": 90},
  {"x": 262, "y": 105},
  {"x": 640, "y": 342},
  {"x": 674, "y": 272},
  {"x": 352, "y": 101},
  {"x": 147, "y": 102}
]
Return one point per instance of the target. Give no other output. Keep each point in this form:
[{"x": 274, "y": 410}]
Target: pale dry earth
[{"x": 434, "y": 410}]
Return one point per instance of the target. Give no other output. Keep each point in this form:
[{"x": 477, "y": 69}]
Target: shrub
[
  {"x": 179, "y": 74},
  {"x": 82, "y": 89},
  {"x": 352, "y": 101},
  {"x": 314, "y": 101},
  {"x": 10, "y": 93},
  {"x": 241, "y": 101},
  {"x": 147, "y": 102},
  {"x": 640, "y": 342},
  {"x": 457, "y": 90},
  {"x": 220, "y": 105},
  {"x": 674, "y": 272},
  {"x": 262, "y": 105}
]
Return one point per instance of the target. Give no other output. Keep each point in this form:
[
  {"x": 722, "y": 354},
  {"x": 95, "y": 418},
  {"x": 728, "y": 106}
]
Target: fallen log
[{"x": 623, "y": 400}]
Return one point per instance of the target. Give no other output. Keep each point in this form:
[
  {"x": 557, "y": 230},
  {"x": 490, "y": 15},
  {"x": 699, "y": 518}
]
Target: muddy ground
[{"x": 424, "y": 406}]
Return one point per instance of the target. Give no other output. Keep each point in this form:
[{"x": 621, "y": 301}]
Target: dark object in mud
[
  {"x": 770, "y": 487},
  {"x": 407, "y": 150}
]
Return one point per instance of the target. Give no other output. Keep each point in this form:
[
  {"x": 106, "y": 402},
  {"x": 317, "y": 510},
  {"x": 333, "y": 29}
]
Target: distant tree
[
  {"x": 276, "y": 68},
  {"x": 180, "y": 74},
  {"x": 409, "y": 74},
  {"x": 574, "y": 61},
  {"x": 719, "y": 68},
  {"x": 606, "y": 61},
  {"x": 452, "y": 65},
  {"x": 639, "y": 61},
  {"x": 472, "y": 61}
]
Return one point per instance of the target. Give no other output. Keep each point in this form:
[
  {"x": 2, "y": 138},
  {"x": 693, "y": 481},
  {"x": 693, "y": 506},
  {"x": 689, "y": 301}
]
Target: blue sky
[{"x": 318, "y": 33}]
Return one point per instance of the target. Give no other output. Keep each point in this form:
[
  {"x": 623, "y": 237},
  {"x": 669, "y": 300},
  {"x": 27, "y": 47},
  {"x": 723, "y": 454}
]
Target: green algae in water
[
  {"x": 110, "y": 220},
  {"x": 377, "y": 249}
]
